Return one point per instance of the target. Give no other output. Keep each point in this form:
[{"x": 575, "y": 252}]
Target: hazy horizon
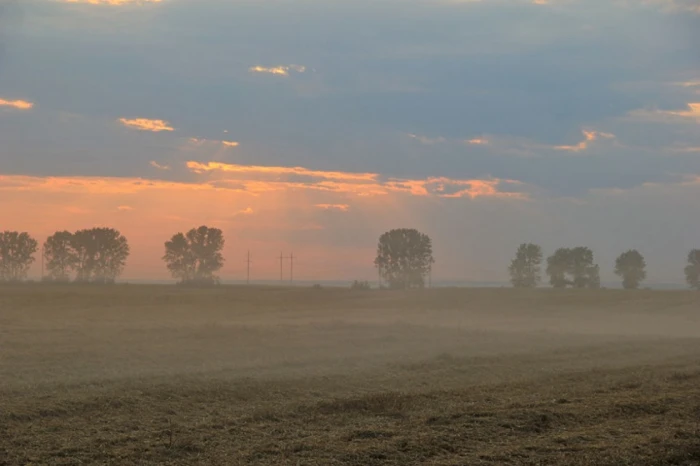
[{"x": 312, "y": 127}]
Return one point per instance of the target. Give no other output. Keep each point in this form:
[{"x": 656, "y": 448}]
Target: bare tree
[
  {"x": 631, "y": 266},
  {"x": 16, "y": 255},
  {"x": 404, "y": 258},
  {"x": 61, "y": 258},
  {"x": 195, "y": 257},
  {"x": 692, "y": 270},
  {"x": 525, "y": 268}
]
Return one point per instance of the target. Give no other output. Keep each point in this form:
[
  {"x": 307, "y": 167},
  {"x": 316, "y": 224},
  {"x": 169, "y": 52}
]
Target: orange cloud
[
  {"x": 246, "y": 211},
  {"x": 478, "y": 141},
  {"x": 692, "y": 111},
  {"x": 155, "y": 164},
  {"x": 260, "y": 179},
  {"x": 125, "y": 208},
  {"x": 282, "y": 70},
  {"x": 145, "y": 124},
  {"x": 590, "y": 136},
  {"x": 340, "y": 207},
  {"x": 16, "y": 104},
  {"x": 230, "y": 143},
  {"x": 200, "y": 168}
]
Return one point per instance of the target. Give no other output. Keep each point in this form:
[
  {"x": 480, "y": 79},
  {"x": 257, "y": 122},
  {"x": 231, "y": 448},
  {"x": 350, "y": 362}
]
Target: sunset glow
[{"x": 316, "y": 129}]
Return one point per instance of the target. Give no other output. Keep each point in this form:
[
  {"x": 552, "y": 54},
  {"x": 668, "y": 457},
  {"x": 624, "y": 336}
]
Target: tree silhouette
[
  {"x": 16, "y": 255},
  {"x": 61, "y": 258},
  {"x": 404, "y": 258},
  {"x": 573, "y": 267},
  {"x": 100, "y": 254},
  {"x": 631, "y": 266},
  {"x": 692, "y": 270},
  {"x": 195, "y": 257},
  {"x": 525, "y": 268}
]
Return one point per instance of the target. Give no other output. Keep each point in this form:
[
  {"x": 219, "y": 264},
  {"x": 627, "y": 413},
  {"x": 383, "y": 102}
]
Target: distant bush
[
  {"x": 360, "y": 285},
  {"x": 199, "y": 283},
  {"x": 316, "y": 286}
]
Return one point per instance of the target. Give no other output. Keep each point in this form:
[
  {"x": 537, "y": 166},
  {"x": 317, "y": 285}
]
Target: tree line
[{"x": 404, "y": 260}]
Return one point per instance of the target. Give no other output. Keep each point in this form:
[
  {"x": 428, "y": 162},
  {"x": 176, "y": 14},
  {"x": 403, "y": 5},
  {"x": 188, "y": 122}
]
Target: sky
[{"x": 312, "y": 126}]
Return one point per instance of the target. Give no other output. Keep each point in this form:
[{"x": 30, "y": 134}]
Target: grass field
[{"x": 160, "y": 375}]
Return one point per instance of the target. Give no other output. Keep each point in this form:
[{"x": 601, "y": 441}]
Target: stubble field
[{"x": 243, "y": 375}]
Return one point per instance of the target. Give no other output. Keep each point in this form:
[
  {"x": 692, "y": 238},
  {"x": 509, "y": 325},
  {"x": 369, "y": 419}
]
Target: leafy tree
[
  {"x": 404, "y": 258},
  {"x": 585, "y": 273},
  {"x": 573, "y": 267},
  {"x": 525, "y": 268},
  {"x": 557, "y": 268},
  {"x": 100, "y": 253},
  {"x": 631, "y": 266},
  {"x": 692, "y": 270},
  {"x": 61, "y": 258},
  {"x": 195, "y": 257},
  {"x": 16, "y": 255}
]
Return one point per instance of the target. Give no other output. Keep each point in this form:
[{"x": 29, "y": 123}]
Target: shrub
[{"x": 360, "y": 285}]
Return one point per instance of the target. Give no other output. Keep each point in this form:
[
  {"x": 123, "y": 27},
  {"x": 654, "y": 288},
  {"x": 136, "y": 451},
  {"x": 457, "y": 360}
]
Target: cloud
[
  {"x": 155, "y": 164},
  {"x": 692, "y": 111},
  {"x": 125, "y": 208},
  {"x": 230, "y": 143},
  {"x": 677, "y": 5},
  {"x": 427, "y": 140},
  {"x": 246, "y": 211},
  {"x": 590, "y": 137},
  {"x": 112, "y": 2},
  {"x": 16, "y": 104},
  {"x": 478, "y": 141},
  {"x": 689, "y": 113},
  {"x": 200, "y": 168},
  {"x": 282, "y": 70},
  {"x": 339, "y": 207},
  {"x": 145, "y": 124},
  {"x": 260, "y": 179}
]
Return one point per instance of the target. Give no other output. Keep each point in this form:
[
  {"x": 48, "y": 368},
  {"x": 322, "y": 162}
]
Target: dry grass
[{"x": 158, "y": 375}]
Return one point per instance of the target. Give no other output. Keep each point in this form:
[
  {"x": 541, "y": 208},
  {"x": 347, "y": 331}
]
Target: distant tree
[
  {"x": 585, "y": 273},
  {"x": 195, "y": 257},
  {"x": 61, "y": 258},
  {"x": 692, "y": 270},
  {"x": 360, "y": 285},
  {"x": 16, "y": 255},
  {"x": 573, "y": 267},
  {"x": 631, "y": 266},
  {"x": 100, "y": 253},
  {"x": 404, "y": 258},
  {"x": 525, "y": 268},
  {"x": 558, "y": 266}
]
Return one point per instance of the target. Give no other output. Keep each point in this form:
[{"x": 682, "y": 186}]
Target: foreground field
[{"x": 159, "y": 375}]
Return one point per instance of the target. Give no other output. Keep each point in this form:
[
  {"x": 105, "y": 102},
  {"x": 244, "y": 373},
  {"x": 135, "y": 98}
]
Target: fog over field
[{"x": 261, "y": 375}]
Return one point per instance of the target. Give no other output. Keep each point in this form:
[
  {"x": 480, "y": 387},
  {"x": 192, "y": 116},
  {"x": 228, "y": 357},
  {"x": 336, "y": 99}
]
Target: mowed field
[{"x": 243, "y": 375}]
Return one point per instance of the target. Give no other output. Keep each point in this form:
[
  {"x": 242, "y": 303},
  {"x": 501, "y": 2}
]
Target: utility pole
[
  {"x": 291, "y": 268},
  {"x": 247, "y": 279},
  {"x": 281, "y": 271}
]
